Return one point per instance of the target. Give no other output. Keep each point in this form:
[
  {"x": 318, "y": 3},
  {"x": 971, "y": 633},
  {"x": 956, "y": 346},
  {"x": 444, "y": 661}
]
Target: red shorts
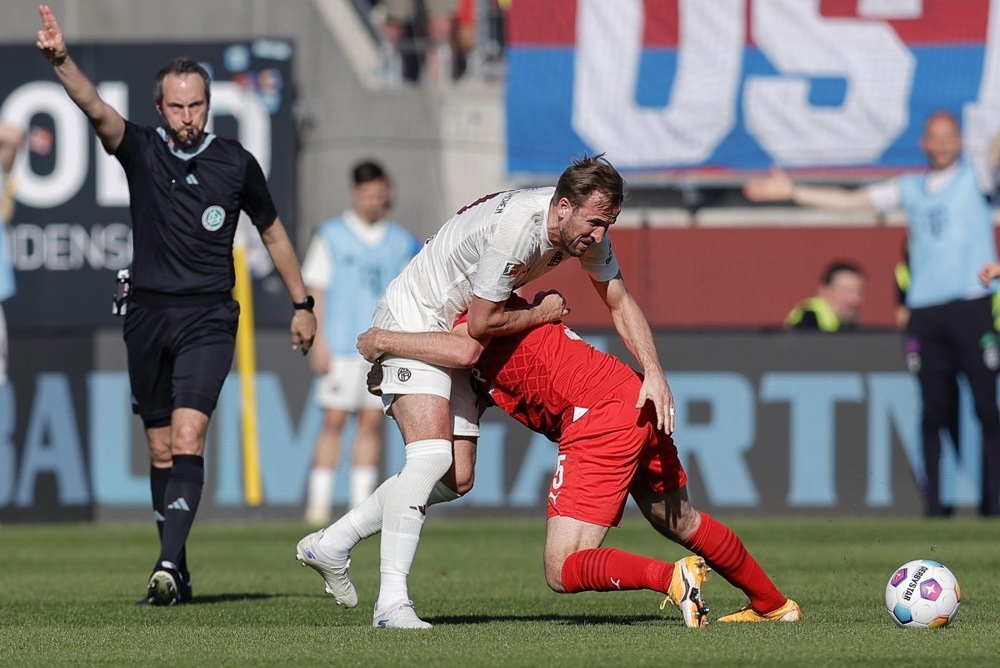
[{"x": 609, "y": 452}]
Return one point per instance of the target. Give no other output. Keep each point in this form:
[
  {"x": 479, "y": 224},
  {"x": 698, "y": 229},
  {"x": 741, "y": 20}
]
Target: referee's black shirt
[{"x": 185, "y": 208}]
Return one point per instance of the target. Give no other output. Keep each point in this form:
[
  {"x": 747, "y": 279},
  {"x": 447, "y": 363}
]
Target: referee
[{"x": 186, "y": 190}]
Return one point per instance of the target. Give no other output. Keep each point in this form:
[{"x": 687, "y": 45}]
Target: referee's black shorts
[{"x": 178, "y": 355}]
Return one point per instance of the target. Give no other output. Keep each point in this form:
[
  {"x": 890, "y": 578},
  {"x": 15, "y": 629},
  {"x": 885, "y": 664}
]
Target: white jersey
[{"x": 488, "y": 249}]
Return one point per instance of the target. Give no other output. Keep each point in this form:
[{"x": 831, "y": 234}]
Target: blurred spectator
[
  {"x": 11, "y": 138},
  {"x": 419, "y": 36},
  {"x": 465, "y": 35},
  {"x": 350, "y": 261},
  {"x": 439, "y": 41},
  {"x": 480, "y": 29},
  {"x": 836, "y": 304},
  {"x": 950, "y": 329}
]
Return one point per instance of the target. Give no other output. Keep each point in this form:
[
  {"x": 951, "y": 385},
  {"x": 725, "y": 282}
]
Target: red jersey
[{"x": 542, "y": 375}]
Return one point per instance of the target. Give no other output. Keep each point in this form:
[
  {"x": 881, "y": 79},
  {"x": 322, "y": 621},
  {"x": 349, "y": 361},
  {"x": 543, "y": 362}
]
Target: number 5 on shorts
[{"x": 557, "y": 479}]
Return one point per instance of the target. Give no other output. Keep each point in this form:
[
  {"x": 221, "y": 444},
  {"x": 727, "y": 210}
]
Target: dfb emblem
[
  {"x": 213, "y": 217},
  {"x": 403, "y": 375}
]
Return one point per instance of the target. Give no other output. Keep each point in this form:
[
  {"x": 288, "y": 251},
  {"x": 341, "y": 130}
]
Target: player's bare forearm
[
  {"x": 455, "y": 349},
  {"x": 491, "y": 319},
  {"x": 832, "y": 197},
  {"x": 631, "y": 324},
  {"x": 779, "y": 187},
  {"x": 633, "y": 328}
]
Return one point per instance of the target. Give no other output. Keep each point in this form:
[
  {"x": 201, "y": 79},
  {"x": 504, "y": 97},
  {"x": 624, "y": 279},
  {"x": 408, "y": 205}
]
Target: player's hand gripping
[
  {"x": 551, "y": 305},
  {"x": 375, "y": 379},
  {"x": 49, "y": 39},
  {"x": 654, "y": 388},
  {"x": 368, "y": 344}
]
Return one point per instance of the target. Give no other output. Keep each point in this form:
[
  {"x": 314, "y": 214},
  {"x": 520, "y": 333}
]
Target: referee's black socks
[
  {"x": 158, "y": 479},
  {"x": 181, "y": 499}
]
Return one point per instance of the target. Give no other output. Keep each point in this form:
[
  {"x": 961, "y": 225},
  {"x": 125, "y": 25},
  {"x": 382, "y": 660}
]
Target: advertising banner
[
  {"x": 71, "y": 232},
  {"x": 768, "y": 424},
  {"x": 696, "y": 89}
]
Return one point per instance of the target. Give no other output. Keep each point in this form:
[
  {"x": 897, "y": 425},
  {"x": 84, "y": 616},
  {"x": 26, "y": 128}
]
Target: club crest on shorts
[
  {"x": 213, "y": 218},
  {"x": 403, "y": 375}
]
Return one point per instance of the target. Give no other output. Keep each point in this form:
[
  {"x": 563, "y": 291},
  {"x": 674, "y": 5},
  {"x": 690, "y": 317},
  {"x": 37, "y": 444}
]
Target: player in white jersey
[
  {"x": 489, "y": 248},
  {"x": 474, "y": 263}
]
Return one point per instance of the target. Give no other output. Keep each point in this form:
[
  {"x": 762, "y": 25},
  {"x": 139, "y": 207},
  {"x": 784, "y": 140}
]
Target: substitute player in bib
[
  {"x": 473, "y": 264},
  {"x": 186, "y": 191},
  {"x": 350, "y": 262},
  {"x": 556, "y": 384},
  {"x": 950, "y": 331}
]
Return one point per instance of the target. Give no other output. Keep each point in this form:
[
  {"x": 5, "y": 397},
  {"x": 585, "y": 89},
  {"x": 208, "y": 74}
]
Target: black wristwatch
[{"x": 307, "y": 305}]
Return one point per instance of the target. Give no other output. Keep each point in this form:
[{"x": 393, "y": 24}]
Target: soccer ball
[{"x": 922, "y": 594}]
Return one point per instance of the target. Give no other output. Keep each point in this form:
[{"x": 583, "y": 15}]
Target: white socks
[
  {"x": 365, "y": 519},
  {"x": 360, "y": 522},
  {"x": 363, "y": 479},
  {"x": 403, "y": 511},
  {"x": 322, "y": 483},
  {"x": 441, "y": 493},
  {"x": 319, "y": 500}
]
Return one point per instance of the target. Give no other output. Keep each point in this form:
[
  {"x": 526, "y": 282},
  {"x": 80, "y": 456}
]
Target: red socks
[
  {"x": 725, "y": 553},
  {"x": 608, "y": 569}
]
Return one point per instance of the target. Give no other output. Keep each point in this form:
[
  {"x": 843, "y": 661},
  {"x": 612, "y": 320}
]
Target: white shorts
[
  {"x": 406, "y": 376},
  {"x": 345, "y": 386}
]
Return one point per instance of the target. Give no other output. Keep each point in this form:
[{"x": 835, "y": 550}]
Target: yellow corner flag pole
[{"x": 246, "y": 361}]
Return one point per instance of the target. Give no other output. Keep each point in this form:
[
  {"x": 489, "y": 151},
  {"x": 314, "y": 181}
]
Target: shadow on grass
[
  {"x": 228, "y": 598},
  {"x": 220, "y": 598},
  {"x": 569, "y": 620}
]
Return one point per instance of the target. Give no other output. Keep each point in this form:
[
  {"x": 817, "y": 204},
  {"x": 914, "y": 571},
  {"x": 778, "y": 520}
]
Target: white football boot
[
  {"x": 399, "y": 615},
  {"x": 334, "y": 571}
]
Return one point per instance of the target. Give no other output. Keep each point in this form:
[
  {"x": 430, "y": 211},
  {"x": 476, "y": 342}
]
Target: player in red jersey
[{"x": 556, "y": 384}]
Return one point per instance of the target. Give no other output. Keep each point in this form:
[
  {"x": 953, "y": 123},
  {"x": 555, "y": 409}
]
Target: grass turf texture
[{"x": 67, "y": 594}]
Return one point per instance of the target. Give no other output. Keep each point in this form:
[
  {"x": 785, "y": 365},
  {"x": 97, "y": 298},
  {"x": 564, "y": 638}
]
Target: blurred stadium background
[{"x": 687, "y": 98}]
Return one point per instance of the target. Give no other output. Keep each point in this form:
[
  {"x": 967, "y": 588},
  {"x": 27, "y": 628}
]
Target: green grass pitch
[{"x": 67, "y": 593}]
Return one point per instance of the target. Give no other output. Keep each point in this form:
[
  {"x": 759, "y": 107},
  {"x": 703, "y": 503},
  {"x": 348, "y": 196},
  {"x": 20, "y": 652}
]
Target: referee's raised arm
[{"x": 107, "y": 123}]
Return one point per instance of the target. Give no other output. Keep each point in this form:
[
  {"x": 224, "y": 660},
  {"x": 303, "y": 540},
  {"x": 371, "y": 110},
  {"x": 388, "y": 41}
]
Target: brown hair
[
  {"x": 368, "y": 171},
  {"x": 181, "y": 65},
  {"x": 587, "y": 175},
  {"x": 838, "y": 266}
]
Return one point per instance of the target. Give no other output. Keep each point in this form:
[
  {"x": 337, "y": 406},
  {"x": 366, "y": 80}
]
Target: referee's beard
[{"x": 187, "y": 142}]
